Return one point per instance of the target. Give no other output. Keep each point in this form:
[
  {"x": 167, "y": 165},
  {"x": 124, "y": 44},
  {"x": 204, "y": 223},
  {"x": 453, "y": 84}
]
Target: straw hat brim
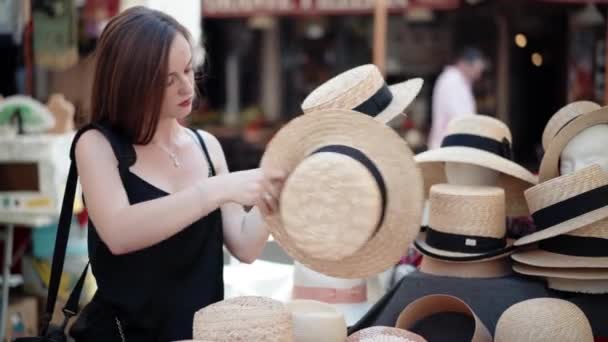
[
  {"x": 393, "y": 158},
  {"x": 404, "y": 94},
  {"x": 513, "y": 178},
  {"x": 549, "y": 167},
  {"x": 565, "y": 227},
  {"x": 542, "y": 258},
  {"x": 564, "y": 273},
  {"x": 431, "y": 304},
  {"x": 588, "y": 286},
  {"x": 448, "y": 256}
]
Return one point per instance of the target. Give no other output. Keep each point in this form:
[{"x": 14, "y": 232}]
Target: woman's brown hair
[{"x": 132, "y": 58}]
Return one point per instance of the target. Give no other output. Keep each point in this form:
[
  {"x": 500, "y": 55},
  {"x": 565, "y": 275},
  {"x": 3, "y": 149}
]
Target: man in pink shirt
[{"x": 453, "y": 92}]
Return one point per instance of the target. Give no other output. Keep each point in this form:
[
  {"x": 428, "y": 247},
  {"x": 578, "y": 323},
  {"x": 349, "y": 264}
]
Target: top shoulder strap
[
  {"x": 202, "y": 142},
  {"x": 123, "y": 150}
]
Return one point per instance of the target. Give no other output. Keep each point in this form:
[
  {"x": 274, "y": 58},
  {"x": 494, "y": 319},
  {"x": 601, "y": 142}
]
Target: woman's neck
[{"x": 169, "y": 133}]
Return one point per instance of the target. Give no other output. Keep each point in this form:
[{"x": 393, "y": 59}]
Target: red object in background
[
  {"x": 82, "y": 218},
  {"x": 110, "y": 7},
  {"x": 408, "y": 124},
  {"x": 601, "y": 339}
]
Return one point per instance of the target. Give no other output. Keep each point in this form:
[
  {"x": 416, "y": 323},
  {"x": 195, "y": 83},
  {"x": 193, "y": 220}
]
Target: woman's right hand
[{"x": 252, "y": 187}]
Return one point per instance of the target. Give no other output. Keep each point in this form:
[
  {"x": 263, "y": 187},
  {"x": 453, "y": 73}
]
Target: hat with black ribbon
[
  {"x": 565, "y": 205},
  {"x": 466, "y": 224},
  {"x": 363, "y": 89},
  {"x": 486, "y": 142},
  {"x": 352, "y": 201}
]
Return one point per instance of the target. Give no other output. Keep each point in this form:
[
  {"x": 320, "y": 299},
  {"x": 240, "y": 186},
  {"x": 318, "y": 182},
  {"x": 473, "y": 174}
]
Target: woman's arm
[{"x": 244, "y": 232}]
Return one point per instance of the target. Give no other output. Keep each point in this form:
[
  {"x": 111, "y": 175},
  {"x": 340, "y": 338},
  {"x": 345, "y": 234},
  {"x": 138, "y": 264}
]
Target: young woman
[{"x": 161, "y": 200}]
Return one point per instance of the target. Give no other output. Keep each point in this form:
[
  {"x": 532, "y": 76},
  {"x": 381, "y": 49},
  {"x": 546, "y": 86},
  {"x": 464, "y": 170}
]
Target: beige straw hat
[
  {"x": 246, "y": 318},
  {"x": 315, "y": 321},
  {"x": 589, "y": 280},
  {"x": 343, "y": 210},
  {"x": 564, "y": 116},
  {"x": 587, "y": 286},
  {"x": 549, "y": 167},
  {"x": 384, "y": 334},
  {"x": 428, "y": 306},
  {"x": 586, "y": 247},
  {"x": 466, "y": 224},
  {"x": 543, "y": 320},
  {"x": 567, "y": 203},
  {"x": 483, "y": 141},
  {"x": 364, "y": 90}
]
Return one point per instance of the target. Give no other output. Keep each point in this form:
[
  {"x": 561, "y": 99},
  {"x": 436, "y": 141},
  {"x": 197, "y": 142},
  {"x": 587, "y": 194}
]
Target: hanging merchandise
[{"x": 55, "y": 34}]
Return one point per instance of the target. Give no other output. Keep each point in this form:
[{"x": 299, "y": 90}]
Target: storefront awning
[{"x": 248, "y": 8}]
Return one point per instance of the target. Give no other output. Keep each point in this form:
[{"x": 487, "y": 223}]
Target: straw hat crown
[
  {"x": 346, "y": 91},
  {"x": 468, "y": 210},
  {"x": 247, "y": 318},
  {"x": 384, "y": 334},
  {"x": 363, "y": 89},
  {"x": 543, "y": 320},
  {"x": 480, "y": 125}
]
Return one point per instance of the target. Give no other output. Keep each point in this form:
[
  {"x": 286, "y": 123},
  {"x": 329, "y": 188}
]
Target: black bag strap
[{"x": 125, "y": 155}]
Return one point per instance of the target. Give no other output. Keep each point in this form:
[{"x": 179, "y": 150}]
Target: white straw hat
[
  {"x": 364, "y": 90},
  {"x": 315, "y": 321},
  {"x": 246, "y": 318},
  {"x": 466, "y": 224},
  {"x": 486, "y": 142},
  {"x": 550, "y": 164},
  {"x": 563, "y": 117},
  {"x": 567, "y": 203},
  {"x": 384, "y": 334},
  {"x": 543, "y": 320}
]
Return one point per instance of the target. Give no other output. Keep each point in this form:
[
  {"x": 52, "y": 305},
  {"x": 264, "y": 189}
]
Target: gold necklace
[{"x": 171, "y": 154}]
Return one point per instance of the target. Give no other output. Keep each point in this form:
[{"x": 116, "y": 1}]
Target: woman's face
[{"x": 179, "y": 90}]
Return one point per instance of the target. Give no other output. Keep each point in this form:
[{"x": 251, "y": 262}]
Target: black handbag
[{"x": 48, "y": 332}]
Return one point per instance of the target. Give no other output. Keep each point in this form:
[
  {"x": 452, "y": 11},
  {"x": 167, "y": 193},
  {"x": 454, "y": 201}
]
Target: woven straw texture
[
  {"x": 541, "y": 258},
  {"x": 244, "y": 319},
  {"x": 564, "y": 116},
  {"x": 384, "y": 334},
  {"x": 545, "y": 195},
  {"x": 513, "y": 178},
  {"x": 353, "y": 87},
  {"x": 549, "y": 166},
  {"x": 543, "y": 320},
  {"x": 333, "y": 210}
]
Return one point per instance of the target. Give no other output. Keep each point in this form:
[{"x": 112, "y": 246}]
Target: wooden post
[
  {"x": 380, "y": 28},
  {"x": 503, "y": 68}
]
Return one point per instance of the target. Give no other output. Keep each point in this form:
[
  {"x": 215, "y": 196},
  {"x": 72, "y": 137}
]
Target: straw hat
[
  {"x": 315, "y": 321},
  {"x": 589, "y": 280},
  {"x": 543, "y": 320},
  {"x": 586, "y": 247},
  {"x": 486, "y": 142},
  {"x": 348, "y": 296},
  {"x": 549, "y": 167},
  {"x": 384, "y": 334},
  {"x": 427, "y": 307},
  {"x": 364, "y": 90},
  {"x": 564, "y": 116},
  {"x": 342, "y": 210},
  {"x": 466, "y": 223},
  {"x": 581, "y": 199},
  {"x": 244, "y": 319},
  {"x": 586, "y": 286}
]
